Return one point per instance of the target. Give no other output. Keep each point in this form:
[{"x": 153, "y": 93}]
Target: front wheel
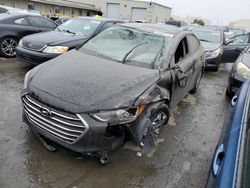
[
  {"x": 159, "y": 118},
  {"x": 197, "y": 83},
  {"x": 8, "y": 47}
]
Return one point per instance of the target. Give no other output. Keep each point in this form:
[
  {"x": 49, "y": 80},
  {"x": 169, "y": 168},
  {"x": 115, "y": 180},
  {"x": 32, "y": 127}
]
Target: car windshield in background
[
  {"x": 208, "y": 36},
  {"x": 79, "y": 26},
  {"x": 130, "y": 46}
]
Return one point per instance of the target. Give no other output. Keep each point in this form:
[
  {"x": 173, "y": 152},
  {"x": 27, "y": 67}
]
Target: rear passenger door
[
  {"x": 183, "y": 72},
  {"x": 41, "y": 24},
  {"x": 197, "y": 56},
  {"x": 20, "y": 27}
]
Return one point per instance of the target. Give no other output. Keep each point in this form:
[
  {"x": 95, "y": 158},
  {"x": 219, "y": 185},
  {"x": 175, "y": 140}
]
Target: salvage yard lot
[{"x": 182, "y": 158}]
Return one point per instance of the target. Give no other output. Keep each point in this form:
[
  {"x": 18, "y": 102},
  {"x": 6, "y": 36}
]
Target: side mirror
[
  {"x": 229, "y": 41},
  {"x": 239, "y": 50}
]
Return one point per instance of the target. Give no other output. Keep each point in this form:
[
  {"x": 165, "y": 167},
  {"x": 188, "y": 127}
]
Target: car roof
[
  {"x": 207, "y": 30},
  {"x": 154, "y": 28},
  {"x": 98, "y": 19}
]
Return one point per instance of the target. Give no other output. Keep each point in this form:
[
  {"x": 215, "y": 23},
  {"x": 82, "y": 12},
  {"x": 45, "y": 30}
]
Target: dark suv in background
[{"x": 14, "y": 26}]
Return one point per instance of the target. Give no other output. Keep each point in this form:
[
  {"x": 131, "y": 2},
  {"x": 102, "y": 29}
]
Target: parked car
[
  {"x": 230, "y": 54},
  {"x": 240, "y": 72},
  {"x": 121, "y": 82},
  {"x": 176, "y": 23},
  {"x": 38, "y": 48},
  {"x": 230, "y": 164},
  {"x": 14, "y": 26},
  {"x": 212, "y": 40}
]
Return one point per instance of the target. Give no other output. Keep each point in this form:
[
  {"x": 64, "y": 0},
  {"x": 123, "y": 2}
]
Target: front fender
[{"x": 141, "y": 129}]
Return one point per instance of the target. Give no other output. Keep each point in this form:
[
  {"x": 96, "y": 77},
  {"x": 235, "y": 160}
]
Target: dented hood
[{"x": 77, "y": 82}]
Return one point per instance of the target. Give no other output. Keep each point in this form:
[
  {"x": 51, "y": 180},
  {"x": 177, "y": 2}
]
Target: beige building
[
  {"x": 190, "y": 19},
  {"x": 127, "y": 10},
  {"x": 70, "y": 8},
  {"x": 242, "y": 23}
]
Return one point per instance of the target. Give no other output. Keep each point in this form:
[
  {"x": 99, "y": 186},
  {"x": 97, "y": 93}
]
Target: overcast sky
[{"x": 218, "y": 11}]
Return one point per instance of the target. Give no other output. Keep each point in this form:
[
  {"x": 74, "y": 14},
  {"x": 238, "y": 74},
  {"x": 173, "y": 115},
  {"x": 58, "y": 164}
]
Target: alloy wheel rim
[
  {"x": 158, "y": 121},
  {"x": 9, "y": 47}
]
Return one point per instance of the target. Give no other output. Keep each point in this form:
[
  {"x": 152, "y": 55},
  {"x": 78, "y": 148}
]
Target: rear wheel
[{"x": 8, "y": 47}]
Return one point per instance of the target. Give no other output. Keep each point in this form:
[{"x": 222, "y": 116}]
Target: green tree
[{"x": 199, "y": 21}]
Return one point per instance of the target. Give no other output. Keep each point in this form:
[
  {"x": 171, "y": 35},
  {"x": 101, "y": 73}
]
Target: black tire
[
  {"x": 160, "y": 114},
  {"x": 197, "y": 83},
  {"x": 8, "y": 47}
]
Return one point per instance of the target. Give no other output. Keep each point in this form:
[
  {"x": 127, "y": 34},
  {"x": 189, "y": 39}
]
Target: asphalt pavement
[{"x": 182, "y": 159}]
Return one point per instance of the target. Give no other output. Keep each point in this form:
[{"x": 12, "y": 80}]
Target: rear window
[{"x": 2, "y": 10}]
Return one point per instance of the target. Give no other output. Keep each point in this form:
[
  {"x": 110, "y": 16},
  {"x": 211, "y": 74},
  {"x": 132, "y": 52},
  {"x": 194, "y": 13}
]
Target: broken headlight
[
  {"x": 119, "y": 116},
  {"x": 213, "y": 54}
]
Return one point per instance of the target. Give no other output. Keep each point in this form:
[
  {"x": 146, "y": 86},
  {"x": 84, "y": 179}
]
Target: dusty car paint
[{"x": 145, "y": 89}]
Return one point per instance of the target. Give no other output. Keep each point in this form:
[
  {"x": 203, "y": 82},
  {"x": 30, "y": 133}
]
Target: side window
[
  {"x": 194, "y": 44},
  {"x": 41, "y": 22},
  {"x": 242, "y": 39},
  {"x": 182, "y": 51},
  {"x": 21, "y": 21},
  {"x": 106, "y": 26}
]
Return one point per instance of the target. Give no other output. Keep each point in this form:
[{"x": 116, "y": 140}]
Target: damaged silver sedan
[{"x": 119, "y": 86}]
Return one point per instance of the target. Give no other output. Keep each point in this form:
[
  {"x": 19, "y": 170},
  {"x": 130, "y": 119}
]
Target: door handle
[
  {"x": 218, "y": 158},
  {"x": 182, "y": 79},
  {"x": 234, "y": 100}
]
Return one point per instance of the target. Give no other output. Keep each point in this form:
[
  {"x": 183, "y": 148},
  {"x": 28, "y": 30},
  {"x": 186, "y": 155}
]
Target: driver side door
[{"x": 230, "y": 53}]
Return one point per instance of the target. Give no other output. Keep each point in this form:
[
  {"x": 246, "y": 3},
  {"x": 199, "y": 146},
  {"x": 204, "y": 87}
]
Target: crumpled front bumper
[{"x": 81, "y": 134}]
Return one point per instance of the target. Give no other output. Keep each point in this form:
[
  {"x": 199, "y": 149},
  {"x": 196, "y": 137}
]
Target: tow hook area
[
  {"x": 103, "y": 158},
  {"x": 47, "y": 145}
]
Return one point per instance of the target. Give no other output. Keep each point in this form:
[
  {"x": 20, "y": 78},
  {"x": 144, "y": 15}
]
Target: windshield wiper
[
  {"x": 127, "y": 54},
  {"x": 68, "y": 31},
  {"x": 106, "y": 56}
]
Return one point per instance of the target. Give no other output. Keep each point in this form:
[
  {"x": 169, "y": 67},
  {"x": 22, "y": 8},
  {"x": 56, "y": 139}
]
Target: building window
[
  {"x": 31, "y": 6},
  {"x": 57, "y": 10},
  {"x": 88, "y": 13},
  {"x": 72, "y": 12},
  {"x": 1, "y": 2}
]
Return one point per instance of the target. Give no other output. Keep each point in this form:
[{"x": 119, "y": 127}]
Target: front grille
[
  {"x": 29, "y": 59},
  {"x": 67, "y": 127},
  {"x": 33, "y": 46}
]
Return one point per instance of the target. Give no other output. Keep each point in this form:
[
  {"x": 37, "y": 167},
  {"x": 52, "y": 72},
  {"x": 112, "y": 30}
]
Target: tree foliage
[{"x": 199, "y": 21}]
